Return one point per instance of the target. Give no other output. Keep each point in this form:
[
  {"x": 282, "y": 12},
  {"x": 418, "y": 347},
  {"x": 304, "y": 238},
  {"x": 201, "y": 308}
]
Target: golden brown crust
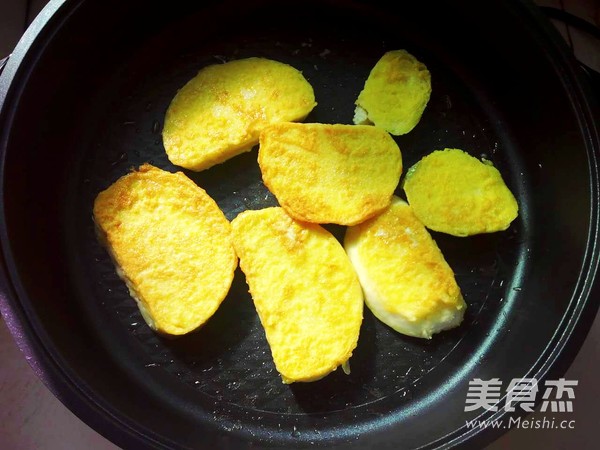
[
  {"x": 305, "y": 291},
  {"x": 455, "y": 193},
  {"x": 171, "y": 244},
  {"x": 321, "y": 173},
  {"x": 220, "y": 112},
  {"x": 407, "y": 282},
  {"x": 396, "y": 92}
]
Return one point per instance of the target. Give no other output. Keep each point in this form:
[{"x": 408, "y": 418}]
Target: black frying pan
[{"x": 83, "y": 101}]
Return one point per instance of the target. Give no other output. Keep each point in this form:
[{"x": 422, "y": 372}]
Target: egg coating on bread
[
  {"x": 455, "y": 193},
  {"x": 321, "y": 173},
  {"x": 407, "y": 283},
  {"x": 305, "y": 291},
  {"x": 395, "y": 93},
  {"x": 171, "y": 245},
  {"x": 220, "y": 112}
]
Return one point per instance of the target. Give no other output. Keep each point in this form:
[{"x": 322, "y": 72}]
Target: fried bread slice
[
  {"x": 171, "y": 245},
  {"x": 395, "y": 93},
  {"x": 455, "y": 193},
  {"x": 220, "y": 112},
  {"x": 321, "y": 173},
  {"x": 406, "y": 281},
  {"x": 305, "y": 290}
]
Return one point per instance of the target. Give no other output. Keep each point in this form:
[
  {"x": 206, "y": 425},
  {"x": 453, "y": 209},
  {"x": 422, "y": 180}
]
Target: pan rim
[
  {"x": 28, "y": 335},
  {"x": 572, "y": 331}
]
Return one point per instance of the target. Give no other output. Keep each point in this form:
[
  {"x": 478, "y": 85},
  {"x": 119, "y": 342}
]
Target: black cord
[
  {"x": 3, "y": 62},
  {"x": 583, "y": 25},
  {"x": 571, "y": 20},
  {"x": 27, "y": 12},
  {"x": 569, "y": 37}
]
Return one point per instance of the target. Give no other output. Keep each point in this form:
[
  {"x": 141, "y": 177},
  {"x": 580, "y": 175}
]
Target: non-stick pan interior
[{"x": 92, "y": 108}]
